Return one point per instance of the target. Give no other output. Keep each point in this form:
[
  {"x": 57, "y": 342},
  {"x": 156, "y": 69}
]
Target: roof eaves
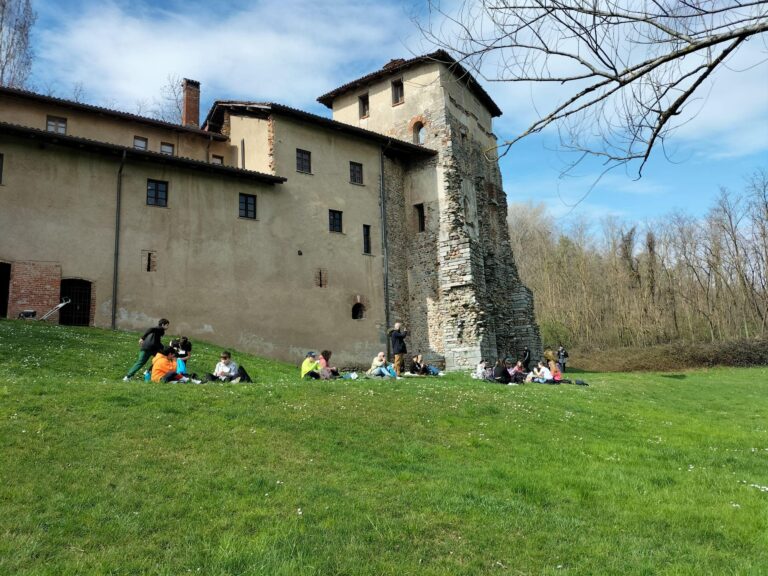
[
  {"x": 116, "y": 149},
  {"x": 348, "y": 128},
  {"x": 109, "y": 112},
  {"x": 439, "y": 56}
]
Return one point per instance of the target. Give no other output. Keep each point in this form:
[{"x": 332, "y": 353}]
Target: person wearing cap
[{"x": 310, "y": 368}]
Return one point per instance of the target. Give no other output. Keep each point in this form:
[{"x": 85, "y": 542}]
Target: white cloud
[{"x": 286, "y": 51}]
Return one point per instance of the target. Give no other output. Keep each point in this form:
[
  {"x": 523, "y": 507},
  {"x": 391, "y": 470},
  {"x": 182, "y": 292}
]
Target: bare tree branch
[
  {"x": 16, "y": 21},
  {"x": 634, "y": 64}
]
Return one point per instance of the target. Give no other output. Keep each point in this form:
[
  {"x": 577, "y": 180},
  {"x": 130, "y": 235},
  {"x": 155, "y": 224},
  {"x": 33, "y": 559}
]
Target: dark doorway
[
  {"x": 5, "y": 288},
  {"x": 78, "y": 311}
]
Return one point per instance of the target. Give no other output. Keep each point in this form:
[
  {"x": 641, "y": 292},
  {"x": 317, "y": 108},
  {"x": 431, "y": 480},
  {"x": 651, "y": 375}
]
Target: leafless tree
[
  {"x": 16, "y": 21},
  {"x": 168, "y": 107},
  {"x": 630, "y": 67}
]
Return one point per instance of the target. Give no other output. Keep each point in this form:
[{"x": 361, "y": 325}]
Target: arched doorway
[{"x": 78, "y": 311}]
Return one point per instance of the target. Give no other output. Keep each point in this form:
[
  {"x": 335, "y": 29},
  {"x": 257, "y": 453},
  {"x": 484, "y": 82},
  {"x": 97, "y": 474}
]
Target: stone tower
[{"x": 450, "y": 273}]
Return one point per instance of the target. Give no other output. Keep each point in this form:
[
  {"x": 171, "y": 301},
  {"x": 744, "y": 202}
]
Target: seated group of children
[
  {"x": 170, "y": 365},
  {"x": 504, "y": 372},
  {"x": 318, "y": 367}
]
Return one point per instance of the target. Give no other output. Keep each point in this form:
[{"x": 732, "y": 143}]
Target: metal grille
[{"x": 78, "y": 311}]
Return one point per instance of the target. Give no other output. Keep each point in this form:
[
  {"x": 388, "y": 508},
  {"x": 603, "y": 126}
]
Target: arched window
[
  {"x": 358, "y": 311},
  {"x": 419, "y": 133}
]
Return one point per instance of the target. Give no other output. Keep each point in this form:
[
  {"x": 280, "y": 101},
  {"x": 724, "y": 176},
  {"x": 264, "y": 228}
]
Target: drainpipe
[
  {"x": 117, "y": 240},
  {"x": 384, "y": 246}
]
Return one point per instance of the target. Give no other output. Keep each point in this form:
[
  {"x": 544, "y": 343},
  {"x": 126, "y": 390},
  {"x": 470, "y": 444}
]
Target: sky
[{"x": 120, "y": 53}]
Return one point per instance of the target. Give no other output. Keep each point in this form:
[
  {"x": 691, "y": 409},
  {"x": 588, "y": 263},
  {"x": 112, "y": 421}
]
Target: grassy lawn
[{"x": 635, "y": 474}]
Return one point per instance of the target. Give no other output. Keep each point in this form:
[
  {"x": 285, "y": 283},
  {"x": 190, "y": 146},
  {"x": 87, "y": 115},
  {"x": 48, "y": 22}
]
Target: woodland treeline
[{"x": 676, "y": 279}]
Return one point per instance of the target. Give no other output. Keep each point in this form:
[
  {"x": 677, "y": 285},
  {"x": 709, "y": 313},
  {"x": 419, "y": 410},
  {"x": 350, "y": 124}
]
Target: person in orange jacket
[{"x": 164, "y": 367}]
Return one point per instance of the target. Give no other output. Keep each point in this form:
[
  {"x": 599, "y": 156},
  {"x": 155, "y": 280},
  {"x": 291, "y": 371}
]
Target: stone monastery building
[{"x": 267, "y": 228}]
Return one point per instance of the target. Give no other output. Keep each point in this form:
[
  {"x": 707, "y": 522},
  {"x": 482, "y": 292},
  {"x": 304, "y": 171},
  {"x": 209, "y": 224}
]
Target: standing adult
[
  {"x": 562, "y": 358},
  {"x": 398, "y": 346},
  {"x": 527, "y": 359},
  {"x": 149, "y": 344}
]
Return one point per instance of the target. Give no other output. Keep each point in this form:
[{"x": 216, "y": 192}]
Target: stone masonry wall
[
  {"x": 455, "y": 285},
  {"x": 507, "y": 306}
]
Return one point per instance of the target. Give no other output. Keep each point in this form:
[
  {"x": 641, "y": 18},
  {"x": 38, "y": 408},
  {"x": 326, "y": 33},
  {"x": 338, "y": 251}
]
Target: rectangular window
[
  {"x": 355, "y": 173},
  {"x": 398, "y": 94},
  {"x": 166, "y": 148},
  {"x": 364, "y": 106},
  {"x": 149, "y": 261},
  {"x": 157, "y": 193},
  {"x": 366, "y": 238},
  {"x": 420, "y": 217},
  {"x": 334, "y": 221},
  {"x": 303, "y": 161},
  {"x": 1, "y": 168},
  {"x": 248, "y": 206},
  {"x": 217, "y": 160},
  {"x": 140, "y": 143},
  {"x": 56, "y": 124}
]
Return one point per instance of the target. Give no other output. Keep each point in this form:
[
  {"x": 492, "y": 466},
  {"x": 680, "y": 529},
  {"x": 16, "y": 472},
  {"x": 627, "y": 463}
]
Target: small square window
[
  {"x": 303, "y": 161},
  {"x": 157, "y": 193},
  {"x": 364, "y": 106},
  {"x": 355, "y": 173},
  {"x": 56, "y": 124},
  {"x": 366, "y": 238},
  {"x": 248, "y": 206},
  {"x": 398, "y": 93},
  {"x": 334, "y": 221},
  {"x": 140, "y": 143},
  {"x": 421, "y": 220},
  {"x": 217, "y": 160},
  {"x": 166, "y": 148}
]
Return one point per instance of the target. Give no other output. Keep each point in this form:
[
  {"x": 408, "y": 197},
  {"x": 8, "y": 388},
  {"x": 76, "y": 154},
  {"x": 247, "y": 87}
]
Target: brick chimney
[{"x": 190, "y": 110}]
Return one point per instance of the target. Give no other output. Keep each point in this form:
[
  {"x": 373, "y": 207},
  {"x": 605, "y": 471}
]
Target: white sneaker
[
  {"x": 126, "y": 379},
  {"x": 184, "y": 379},
  {"x": 194, "y": 381}
]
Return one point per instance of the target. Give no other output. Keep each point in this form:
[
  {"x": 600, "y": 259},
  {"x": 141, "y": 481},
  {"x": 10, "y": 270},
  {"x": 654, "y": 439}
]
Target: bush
[{"x": 672, "y": 356}]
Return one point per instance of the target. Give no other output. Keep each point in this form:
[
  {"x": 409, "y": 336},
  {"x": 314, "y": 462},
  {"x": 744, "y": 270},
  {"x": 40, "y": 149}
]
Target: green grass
[{"x": 636, "y": 474}]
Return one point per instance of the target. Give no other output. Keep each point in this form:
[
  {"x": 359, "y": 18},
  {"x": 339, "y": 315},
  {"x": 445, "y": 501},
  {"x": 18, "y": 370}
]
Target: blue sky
[{"x": 121, "y": 53}]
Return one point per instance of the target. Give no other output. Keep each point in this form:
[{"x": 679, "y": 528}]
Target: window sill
[
  {"x": 307, "y": 173},
  {"x": 248, "y": 219},
  {"x": 398, "y": 103},
  {"x": 356, "y": 183},
  {"x": 369, "y": 254},
  {"x": 365, "y": 117},
  {"x": 337, "y": 232}
]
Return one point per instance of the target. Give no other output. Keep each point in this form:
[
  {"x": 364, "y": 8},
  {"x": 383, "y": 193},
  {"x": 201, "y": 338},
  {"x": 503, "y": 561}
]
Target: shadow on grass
[{"x": 674, "y": 376}]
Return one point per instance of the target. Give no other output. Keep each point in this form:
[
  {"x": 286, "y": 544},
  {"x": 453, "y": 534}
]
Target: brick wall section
[{"x": 34, "y": 286}]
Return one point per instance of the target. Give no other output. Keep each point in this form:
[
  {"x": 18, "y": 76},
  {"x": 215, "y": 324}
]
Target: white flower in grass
[{"x": 299, "y": 512}]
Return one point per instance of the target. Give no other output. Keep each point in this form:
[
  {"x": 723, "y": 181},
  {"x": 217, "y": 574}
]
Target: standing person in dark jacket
[
  {"x": 398, "y": 346},
  {"x": 150, "y": 344},
  {"x": 527, "y": 359},
  {"x": 562, "y": 358}
]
